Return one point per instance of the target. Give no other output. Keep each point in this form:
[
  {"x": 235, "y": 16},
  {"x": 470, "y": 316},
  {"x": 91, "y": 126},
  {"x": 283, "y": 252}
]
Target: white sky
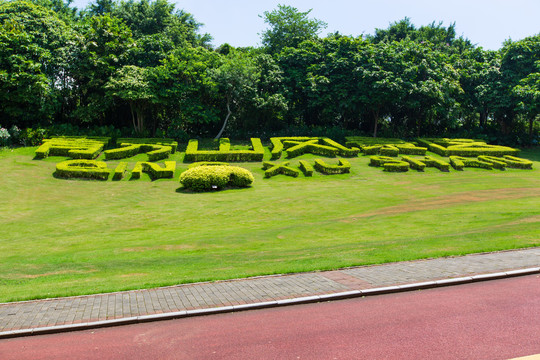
[{"x": 486, "y": 23}]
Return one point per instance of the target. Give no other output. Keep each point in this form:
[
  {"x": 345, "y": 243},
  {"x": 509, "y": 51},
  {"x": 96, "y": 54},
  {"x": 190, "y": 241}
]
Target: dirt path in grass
[{"x": 448, "y": 200}]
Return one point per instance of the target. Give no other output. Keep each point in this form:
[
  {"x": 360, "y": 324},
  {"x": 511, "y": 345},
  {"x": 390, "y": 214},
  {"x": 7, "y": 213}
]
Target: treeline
[{"x": 144, "y": 68}]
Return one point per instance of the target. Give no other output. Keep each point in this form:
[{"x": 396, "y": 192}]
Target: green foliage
[
  {"x": 389, "y": 164},
  {"x": 153, "y": 151},
  {"x": 207, "y": 163},
  {"x": 82, "y": 169},
  {"x": 193, "y": 154},
  {"x": 430, "y": 161},
  {"x": 414, "y": 163},
  {"x": 518, "y": 163},
  {"x": 296, "y": 146},
  {"x": 273, "y": 169},
  {"x": 460, "y": 162},
  {"x": 288, "y": 28},
  {"x": 208, "y": 178},
  {"x": 120, "y": 171},
  {"x": 466, "y": 147},
  {"x": 306, "y": 168},
  {"x": 74, "y": 147},
  {"x": 155, "y": 171},
  {"x": 154, "y": 141},
  {"x": 342, "y": 167}
]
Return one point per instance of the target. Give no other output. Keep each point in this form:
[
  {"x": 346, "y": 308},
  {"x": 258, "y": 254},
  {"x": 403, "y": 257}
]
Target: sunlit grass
[{"x": 66, "y": 237}]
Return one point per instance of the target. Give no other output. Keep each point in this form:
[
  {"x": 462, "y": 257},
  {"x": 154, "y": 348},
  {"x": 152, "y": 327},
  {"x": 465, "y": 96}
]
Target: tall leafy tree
[{"x": 288, "y": 27}]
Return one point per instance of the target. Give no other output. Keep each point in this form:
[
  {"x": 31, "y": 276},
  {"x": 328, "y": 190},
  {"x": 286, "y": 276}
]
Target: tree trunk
[
  {"x": 132, "y": 116},
  {"x": 376, "y": 122},
  {"x": 226, "y": 120}
]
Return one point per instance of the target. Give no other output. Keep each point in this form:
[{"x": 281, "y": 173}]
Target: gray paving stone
[{"x": 262, "y": 290}]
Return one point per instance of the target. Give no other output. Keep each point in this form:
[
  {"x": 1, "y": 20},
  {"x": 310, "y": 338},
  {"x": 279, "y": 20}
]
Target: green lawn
[{"x": 67, "y": 237}]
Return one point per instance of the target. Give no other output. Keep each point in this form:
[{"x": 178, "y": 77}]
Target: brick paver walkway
[{"x": 83, "y": 309}]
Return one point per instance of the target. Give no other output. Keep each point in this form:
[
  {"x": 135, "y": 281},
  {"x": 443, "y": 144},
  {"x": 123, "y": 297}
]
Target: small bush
[
  {"x": 207, "y": 178},
  {"x": 306, "y": 168},
  {"x": 342, "y": 167},
  {"x": 414, "y": 163},
  {"x": 272, "y": 169},
  {"x": 430, "y": 161},
  {"x": 83, "y": 169},
  {"x": 518, "y": 163},
  {"x": 193, "y": 154},
  {"x": 154, "y": 170},
  {"x": 120, "y": 171},
  {"x": 207, "y": 163}
]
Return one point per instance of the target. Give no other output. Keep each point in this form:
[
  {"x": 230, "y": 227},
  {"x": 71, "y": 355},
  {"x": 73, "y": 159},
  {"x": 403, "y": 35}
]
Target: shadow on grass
[{"x": 183, "y": 190}]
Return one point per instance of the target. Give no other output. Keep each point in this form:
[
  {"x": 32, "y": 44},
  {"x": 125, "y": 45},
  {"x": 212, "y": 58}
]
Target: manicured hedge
[
  {"x": 206, "y": 178},
  {"x": 83, "y": 169},
  {"x": 342, "y": 167},
  {"x": 465, "y": 147},
  {"x": 154, "y": 141},
  {"x": 120, "y": 171},
  {"x": 77, "y": 148},
  {"x": 430, "y": 161},
  {"x": 389, "y": 150},
  {"x": 306, "y": 168},
  {"x": 207, "y": 163},
  {"x": 494, "y": 162},
  {"x": 296, "y": 146},
  {"x": 155, "y": 171},
  {"x": 193, "y": 154},
  {"x": 414, "y": 163},
  {"x": 153, "y": 151},
  {"x": 411, "y": 149},
  {"x": 460, "y": 162},
  {"x": 272, "y": 169},
  {"x": 342, "y": 150},
  {"x": 517, "y": 163},
  {"x": 316, "y": 149}
]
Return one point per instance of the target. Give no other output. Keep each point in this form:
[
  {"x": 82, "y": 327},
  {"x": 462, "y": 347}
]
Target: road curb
[{"x": 267, "y": 304}]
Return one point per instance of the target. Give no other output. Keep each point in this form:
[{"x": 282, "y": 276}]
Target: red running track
[{"x": 490, "y": 320}]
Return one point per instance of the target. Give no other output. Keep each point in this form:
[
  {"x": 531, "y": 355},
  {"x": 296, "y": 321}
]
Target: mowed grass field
[{"x": 67, "y": 237}]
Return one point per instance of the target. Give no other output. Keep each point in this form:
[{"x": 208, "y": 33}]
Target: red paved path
[{"x": 491, "y": 320}]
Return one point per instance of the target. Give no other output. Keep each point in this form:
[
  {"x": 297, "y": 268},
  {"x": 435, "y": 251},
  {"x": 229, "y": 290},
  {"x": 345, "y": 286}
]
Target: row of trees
[{"x": 145, "y": 65}]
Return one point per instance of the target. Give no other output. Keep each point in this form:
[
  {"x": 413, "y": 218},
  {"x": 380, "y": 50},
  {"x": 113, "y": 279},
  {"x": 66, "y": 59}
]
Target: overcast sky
[{"x": 486, "y": 23}]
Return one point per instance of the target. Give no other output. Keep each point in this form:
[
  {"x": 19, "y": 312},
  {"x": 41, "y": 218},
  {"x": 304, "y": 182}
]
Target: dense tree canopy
[{"x": 144, "y": 67}]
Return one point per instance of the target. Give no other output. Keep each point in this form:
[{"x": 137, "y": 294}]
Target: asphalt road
[{"x": 489, "y": 320}]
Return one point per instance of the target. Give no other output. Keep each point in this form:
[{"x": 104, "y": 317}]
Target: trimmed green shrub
[
  {"x": 272, "y": 169},
  {"x": 396, "y": 166},
  {"x": 155, "y": 171},
  {"x": 411, "y": 149},
  {"x": 389, "y": 150},
  {"x": 120, "y": 171},
  {"x": 342, "y": 150},
  {"x": 193, "y": 154},
  {"x": 343, "y": 167},
  {"x": 306, "y": 168},
  {"x": 125, "y": 151},
  {"x": 316, "y": 149},
  {"x": 371, "y": 149},
  {"x": 207, "y": 163},
  {"x": 82, "y": 169},
  {"x": 414, "y": 163},
  {"x": 379, "y": 161},
  {"x": 224, "y": 144},
  {"x": 207, "y": 178},
  {"x": 517, "y": 163},
  {"x": 457, "y": 162},
  {"x": 430, "y": 161},
  {"x": 460, "y": 162},
  {"x": 495, "y": 162},
  {"x": 153, "y": 151},
  {"x": 74, "y": 147},
  {"x": 153, "y": 141},
  {"x": 299, "y": 145},
  {"x": 465, "y": 147}
]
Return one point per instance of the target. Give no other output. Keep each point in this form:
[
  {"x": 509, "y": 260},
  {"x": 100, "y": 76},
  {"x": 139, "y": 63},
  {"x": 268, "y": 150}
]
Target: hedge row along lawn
[{"x": 66, "y": 237}]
